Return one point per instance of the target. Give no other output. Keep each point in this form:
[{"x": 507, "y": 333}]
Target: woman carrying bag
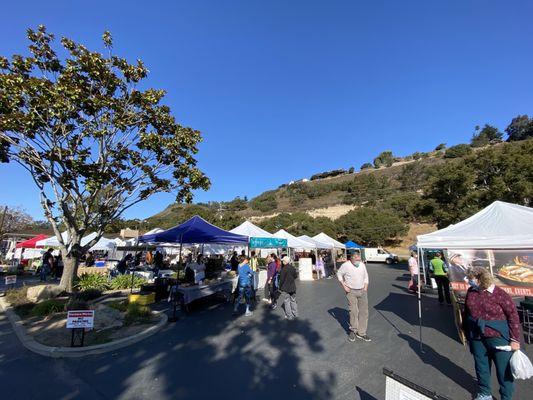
[{"x": 491, "y": 324}]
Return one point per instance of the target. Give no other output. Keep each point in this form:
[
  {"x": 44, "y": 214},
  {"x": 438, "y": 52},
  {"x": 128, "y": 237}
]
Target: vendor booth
[
  {"x": 499, "y": 238},
  {"x": 198, "y": 231},
  {"x": 305, "y": 266}
]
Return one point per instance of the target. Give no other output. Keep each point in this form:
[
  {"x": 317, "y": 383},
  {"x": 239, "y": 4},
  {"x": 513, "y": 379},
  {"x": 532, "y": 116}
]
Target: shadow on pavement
[
  {"x": 342, "y": 316},
  {"x": 364, "y": 395},
  {"x": 433, "y": 316},
  {"x": 227, "y": 358},
  {"x": 443, "y": 364}
]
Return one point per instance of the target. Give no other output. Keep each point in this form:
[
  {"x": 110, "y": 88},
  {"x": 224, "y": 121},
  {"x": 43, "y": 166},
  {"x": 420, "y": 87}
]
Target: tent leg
[
  {"x": 180, "y": 261},
  {"x": 420, "y": 308}
]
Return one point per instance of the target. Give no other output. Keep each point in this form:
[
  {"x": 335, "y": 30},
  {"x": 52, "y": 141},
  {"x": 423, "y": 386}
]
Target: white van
[{"x": 377, "y": 254}]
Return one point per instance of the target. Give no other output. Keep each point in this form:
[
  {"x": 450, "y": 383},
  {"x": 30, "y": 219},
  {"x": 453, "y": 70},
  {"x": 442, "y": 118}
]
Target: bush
[
  {"x": 264, "y": 202},
  {"x": 76, "y": 303},
  {"x": 366, "y": 165},
  {"x": 92, "y": 281},
  {"x": 47, "y": 307},
  {"x": 440, "y": 147},
  {"x": 384, "y": 159},
  {"x": 457, "y": 151},
  {"x": 125, "y": 282},
  {"x": 88, "y": 295},
  {"x": 121, "y": 306},
  {"x": 136, "y": 313},
  {"x": 17, "y": 297}
]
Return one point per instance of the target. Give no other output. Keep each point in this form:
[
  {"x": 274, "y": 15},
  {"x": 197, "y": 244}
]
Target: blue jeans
[
  {"x": 245, "y": 291},
  {"x": 44, "y": 272},
  {"x": 485, "y": 354}
]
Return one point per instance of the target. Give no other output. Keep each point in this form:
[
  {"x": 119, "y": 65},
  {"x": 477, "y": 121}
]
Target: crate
[{"x": 142, "y": 298}]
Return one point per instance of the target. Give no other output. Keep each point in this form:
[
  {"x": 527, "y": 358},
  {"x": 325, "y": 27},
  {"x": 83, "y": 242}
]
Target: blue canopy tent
[
  {"x": 195, "y": 230},
  {"x": 352, "y": 245}
]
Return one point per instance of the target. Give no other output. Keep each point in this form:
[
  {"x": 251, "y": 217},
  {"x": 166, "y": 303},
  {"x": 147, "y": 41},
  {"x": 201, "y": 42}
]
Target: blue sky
[{"x": 284, "y": 89}]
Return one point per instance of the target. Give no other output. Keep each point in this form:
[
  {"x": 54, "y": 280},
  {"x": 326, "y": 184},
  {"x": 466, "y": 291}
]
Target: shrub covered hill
[{"x": 390, "y": 200}]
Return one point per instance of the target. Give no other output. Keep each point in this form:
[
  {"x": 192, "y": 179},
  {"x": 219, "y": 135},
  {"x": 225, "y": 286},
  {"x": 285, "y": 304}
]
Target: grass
[
  {"x": 137, "y": 314},
  {"x": 17, "y": 297},
  {"x": 47, "y": 307},
  {"x": 120, "y": 305}
]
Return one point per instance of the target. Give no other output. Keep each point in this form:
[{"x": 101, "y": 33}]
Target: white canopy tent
[
  {"x": 53, "y": 242},
  {"x": 322, "y": 237},
  {"x": 249, "y": 229},
  {"x": 498, "y": 226},
  {"x": 293, "y": 242},
  {"x": 318, "y": 244}
]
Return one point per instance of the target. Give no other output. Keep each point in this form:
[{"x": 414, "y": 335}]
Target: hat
[{"x": 285, "y": 260}]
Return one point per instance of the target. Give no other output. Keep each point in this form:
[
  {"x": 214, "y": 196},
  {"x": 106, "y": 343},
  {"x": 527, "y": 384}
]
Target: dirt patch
[
  {"x": 415, "y": 229},
  {"x": 332, "y": 212}
]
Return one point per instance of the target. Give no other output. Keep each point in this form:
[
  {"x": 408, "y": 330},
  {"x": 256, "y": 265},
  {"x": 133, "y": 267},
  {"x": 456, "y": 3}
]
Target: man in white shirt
[{"x": 353, "y": 277}]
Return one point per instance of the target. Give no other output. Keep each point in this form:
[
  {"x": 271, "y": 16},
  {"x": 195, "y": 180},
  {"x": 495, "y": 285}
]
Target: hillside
[{"x": 382, "y": 205}]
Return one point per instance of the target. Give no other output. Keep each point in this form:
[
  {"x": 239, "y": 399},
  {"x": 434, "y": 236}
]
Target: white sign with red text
[
  {"x": 80, "y": 319},
  {"x": 11, "y": 279}
]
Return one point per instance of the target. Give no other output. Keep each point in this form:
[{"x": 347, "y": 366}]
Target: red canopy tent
[{"x": 31, "y": 243}]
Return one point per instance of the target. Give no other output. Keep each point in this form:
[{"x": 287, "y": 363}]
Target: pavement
[{"x": 208, "y": 354}]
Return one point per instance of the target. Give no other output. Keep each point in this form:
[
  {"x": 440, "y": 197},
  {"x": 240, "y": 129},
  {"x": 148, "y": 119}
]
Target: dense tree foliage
[
  {"x": 488, "y": 135},
  {"x": 459, "y": 150},
  {"x": 520, "y": 128},
  {"x": 264, "y": 202},
  {"x": 384, "y": 159},
  {"x": 299, "y": 224},
  {"x": 92, "y": 138}
]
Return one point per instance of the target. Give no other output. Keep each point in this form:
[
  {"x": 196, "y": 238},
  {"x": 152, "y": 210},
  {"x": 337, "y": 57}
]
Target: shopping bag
[
  {"x": 433, "y": 283},
  {"x": 521, "y": 367}
]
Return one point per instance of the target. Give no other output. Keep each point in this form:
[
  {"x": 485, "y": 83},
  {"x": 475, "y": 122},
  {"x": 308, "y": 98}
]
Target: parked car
[{"x": 377, "y": 254}]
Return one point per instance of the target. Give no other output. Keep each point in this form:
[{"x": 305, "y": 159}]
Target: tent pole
[
  {"x": 420, "y": 306},
  {"x": 181, "y": 247}
]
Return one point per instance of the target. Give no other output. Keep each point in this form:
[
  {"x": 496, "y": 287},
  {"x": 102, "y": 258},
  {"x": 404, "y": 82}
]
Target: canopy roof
[
  {"x": 53, "y": 242},
  {"x": 31, "y": 243},
  {"x": 322, "y": 237},
  {"x": 294, "y": 242},
  {"x": 352, "y": 245},
  {"x": 194, "y": 230},
  {"x": 155, "y": 230},
  {"x": 104, "y": 244},
  {"x": 251, "y": 230},
  {"x": 318, "y": 244},
  {"x": 498, "y": 226}
]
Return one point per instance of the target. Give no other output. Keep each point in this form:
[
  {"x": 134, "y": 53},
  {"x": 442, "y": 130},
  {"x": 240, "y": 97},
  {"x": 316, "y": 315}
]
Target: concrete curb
[{"x": 70, "y": 352}]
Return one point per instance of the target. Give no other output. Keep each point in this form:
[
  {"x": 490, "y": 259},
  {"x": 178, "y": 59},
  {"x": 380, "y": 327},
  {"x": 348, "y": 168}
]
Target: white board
[
  {"x": 306, "y": 269},
  {"x": 80, "y": 319}
]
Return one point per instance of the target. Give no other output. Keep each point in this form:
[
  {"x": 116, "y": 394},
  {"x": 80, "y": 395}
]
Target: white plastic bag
[{"x": 521, "y": 367}]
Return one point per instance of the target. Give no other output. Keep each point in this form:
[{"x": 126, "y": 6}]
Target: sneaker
[
  {"x": 248, "y": 313},
  {"x": 483, "y": 397},
  {"x": 266, "y": 300},
  {"x": 351, "y": 337},
  {"x": 329, "y": 277},
  {"x": 274, "y": 306},
  {"x": 364, "y": 338},
  {"x": 288, "y": 318}
]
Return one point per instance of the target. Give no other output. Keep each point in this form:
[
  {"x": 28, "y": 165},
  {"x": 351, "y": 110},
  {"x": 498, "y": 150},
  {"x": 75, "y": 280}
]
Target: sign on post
[
  {"x": 80, "y": 319},
  {"x": 11, "y": 279}
]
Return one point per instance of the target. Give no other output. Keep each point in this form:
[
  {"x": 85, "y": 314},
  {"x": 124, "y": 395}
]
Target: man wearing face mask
[{"x": 490, "y": 322}]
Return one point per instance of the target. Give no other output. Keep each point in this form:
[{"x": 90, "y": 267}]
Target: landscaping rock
[
  {"x": 106, "y": 317},
  {"x": 43, "y": 292}
]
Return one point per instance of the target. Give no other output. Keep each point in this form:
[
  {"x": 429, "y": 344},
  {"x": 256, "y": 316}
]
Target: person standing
[
  {"x": 244, "y": 286},
  {"x": 353, "y": 277},
  {"x": 287, "y": 285},
  {"x": 47, "y": 264},
  {"x": 440, "y": 273},
  {"x": 490, "y": 320},
  {"x": 234, "y": 262},
  {"x": 319, "y": 268},
  {"x": 253, "y": 261},
  {"x": 269, "y": 284},
  {"x": 413, "y": 270},
  {"x": 158, "y": 262}
]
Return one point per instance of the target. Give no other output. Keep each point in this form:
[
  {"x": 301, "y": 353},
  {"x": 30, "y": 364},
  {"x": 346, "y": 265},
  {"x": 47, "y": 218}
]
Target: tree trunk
[{"x": 70, "y": 271}]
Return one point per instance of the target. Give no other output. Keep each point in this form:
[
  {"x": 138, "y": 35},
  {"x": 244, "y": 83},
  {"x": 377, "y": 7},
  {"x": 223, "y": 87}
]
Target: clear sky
[{"x": 284, "y": 89}]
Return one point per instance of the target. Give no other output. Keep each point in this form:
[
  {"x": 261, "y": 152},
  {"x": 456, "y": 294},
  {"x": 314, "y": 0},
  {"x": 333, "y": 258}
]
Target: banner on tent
[
  {"x": 512, "y": 269},
  {"x": 267, "y": 243}
]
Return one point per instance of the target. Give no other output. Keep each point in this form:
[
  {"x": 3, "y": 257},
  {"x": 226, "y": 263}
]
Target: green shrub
[
  {"x": 264, "y": 202},
  {"x": 135, "y": 313},
  {"x": 459, "y": 150},
  {"x": 75, "y": 303},
  {"x": 47, "y": 307},
  {"x": 125, "y": 282},
  {"x": 92, "y": 281},
  {"x": 121, "y": 306},
  {"x": 88, "y": 294},
  {"x": 17, "y": 297}
]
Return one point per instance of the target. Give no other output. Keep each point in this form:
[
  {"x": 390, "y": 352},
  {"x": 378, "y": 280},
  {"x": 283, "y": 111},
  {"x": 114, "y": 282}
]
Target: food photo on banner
[{"x": 512, "y": 269}]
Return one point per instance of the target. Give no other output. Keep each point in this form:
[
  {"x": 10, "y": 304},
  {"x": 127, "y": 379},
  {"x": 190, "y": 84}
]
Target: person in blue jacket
[{"x": 245, "y": 286}]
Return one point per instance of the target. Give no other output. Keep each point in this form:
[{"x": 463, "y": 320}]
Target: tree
[
  {"x": 489, "y": 134},
  {"x": 14, "y": 219},
  {"x": 457, "y": 151},
  {"x": 366, "y": 165},
  {"x": 264, "y": 202},
  {"x": 440, "y": 147},
  {"x": 371, "y": 226},
  {"x": 94, "y": 142},
  {"x": 520, "y": 128},
  {"x": 385, "y": 158},
  {"x": 351, "y": 170}
]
